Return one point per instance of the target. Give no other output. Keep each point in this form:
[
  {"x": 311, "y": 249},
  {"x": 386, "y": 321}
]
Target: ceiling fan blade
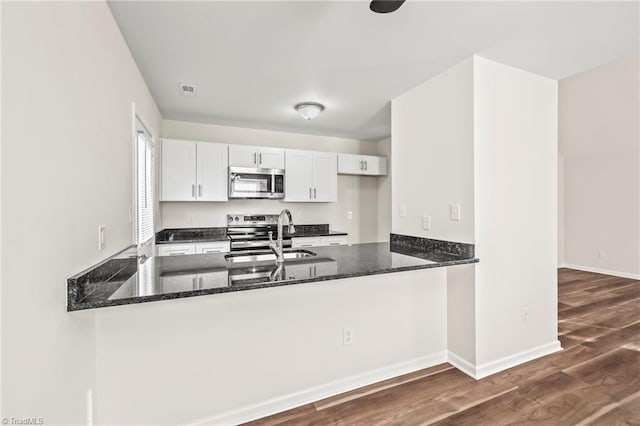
[{"x": 385, "y": 6}]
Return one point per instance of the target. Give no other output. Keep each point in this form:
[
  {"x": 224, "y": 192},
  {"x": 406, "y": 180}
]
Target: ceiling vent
[{"x": 187, "y": 89}]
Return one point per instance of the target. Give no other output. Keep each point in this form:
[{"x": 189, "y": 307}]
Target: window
[{"x": 145, "y": 190}]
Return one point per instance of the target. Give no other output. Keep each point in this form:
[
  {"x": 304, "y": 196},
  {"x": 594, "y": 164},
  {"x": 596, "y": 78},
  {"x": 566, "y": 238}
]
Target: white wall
[
  {"x": 484, "y": 135},
  {"x": 384, "y": 193},
  {"x": 515, "y": 143},
  {"x": 183, "y": 361},
  {"x": 600, "y": 141},
  {"x": 68, "y": 81},
  {"x": 356, "y": 194},
  {"x": 432, "y": 151},
  {"x": 561, "y": 209}
]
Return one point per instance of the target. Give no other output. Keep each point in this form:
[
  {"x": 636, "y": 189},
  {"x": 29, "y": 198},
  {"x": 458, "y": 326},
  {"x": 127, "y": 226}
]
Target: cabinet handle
[
  {"x": 361, "y": 165},
  {"x": 199, "y": 190},
  {"x": 193, "y": 281},
  {"x": 176, "y": 253},
  {"x": 260, "y": 155},
  {"x": 314, "y": 193},
  {"x": 310, "y": 197},
  {"x": 334, "y": 244},
  {"x": 193, "y": 191},
  {"x": 366, "y": 165},
  {"x": 255, "y": 161},
  {"x": 200, "y": 282},
  {"x": 306, "y": 245}
]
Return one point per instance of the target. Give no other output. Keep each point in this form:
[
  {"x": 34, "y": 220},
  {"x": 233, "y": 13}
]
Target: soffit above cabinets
[{"x": 253, "y": 61}]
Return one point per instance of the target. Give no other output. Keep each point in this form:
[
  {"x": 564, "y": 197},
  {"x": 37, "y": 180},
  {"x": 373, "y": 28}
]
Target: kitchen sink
[{"x": 259, "y": 256}]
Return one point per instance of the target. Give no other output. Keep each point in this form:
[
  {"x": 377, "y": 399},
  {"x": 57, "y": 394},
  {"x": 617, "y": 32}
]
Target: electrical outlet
[
  {"x": 426, "y": 223},
  {"x": 347, "y": 336},
  {"x": 455, "y": 212},
  {"x": 525, "y": 315},
  {"x": 602, "y": 254},
  {"x": 101, "y": 236},
  {"x": 403, "y": 210},
  {"x": 349, "y": 215}
]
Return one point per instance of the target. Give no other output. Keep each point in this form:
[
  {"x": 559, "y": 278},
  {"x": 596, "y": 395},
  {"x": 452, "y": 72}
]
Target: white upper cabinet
[
  {"x": 271, "y": 158},
  {"x": 256, "y": 157},
  {"x": 178, "y": 170},
  {"x": 212, "y": 171},
  {"x": 193, "y": 171},
  {"x": 353, "y": 164},
  {"x": 298, "y": 176},
  {"x": 311, "y": 176},
  {"x": 325, "y": 176}
]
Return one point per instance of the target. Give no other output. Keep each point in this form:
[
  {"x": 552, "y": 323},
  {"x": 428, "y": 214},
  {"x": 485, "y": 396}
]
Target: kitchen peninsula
[{"x": 125, "y": 279}]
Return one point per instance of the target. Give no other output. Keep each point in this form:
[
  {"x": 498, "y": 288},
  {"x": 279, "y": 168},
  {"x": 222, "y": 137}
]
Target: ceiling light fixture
[
  {"x": 385, "y": 6},
  {"x": 309, "y": 110}
]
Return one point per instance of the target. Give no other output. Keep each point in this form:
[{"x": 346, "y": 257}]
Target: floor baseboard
[
  {"x": 293, "y": 400},
  {"x": 507, "y": 362},
  {"x": 600, "y": 271}
]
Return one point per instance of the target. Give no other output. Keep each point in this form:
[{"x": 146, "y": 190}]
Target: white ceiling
[{"x": 251, "y": 62}]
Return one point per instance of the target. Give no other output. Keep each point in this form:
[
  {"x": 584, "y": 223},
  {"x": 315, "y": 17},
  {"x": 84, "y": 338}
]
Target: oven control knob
[{"x": 237, "y": 218}]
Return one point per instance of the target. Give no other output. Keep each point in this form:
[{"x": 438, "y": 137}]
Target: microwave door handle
[{"x": 273, "y": 181}]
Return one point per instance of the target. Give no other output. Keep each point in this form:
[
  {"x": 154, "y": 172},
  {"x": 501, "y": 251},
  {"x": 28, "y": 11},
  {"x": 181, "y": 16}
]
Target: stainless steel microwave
[{"x": 256, "y": 183}]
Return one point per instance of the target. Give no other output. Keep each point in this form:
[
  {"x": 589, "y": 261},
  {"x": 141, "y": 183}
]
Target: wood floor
[{"x": 594, "y": 381}]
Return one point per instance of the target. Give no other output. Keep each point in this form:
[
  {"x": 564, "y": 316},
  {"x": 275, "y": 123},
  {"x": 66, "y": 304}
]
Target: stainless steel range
[{"x": 251, "y": 232}]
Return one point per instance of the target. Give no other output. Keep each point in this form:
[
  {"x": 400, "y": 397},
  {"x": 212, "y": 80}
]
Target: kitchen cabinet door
[
  {"x": 271, "y": 158},
  {"x": 215, "y": 279},
  {"x": 375, "y": 165},
  {"x": 298, "y": 176},
  {"x": 212, "y": 171},
  {"x": 177, "y": 283},
  {"x": 325, "y": 177},
  {"x": 178, "y": 170},
  {"x": 352, "y": 164},
  {"x": 243, "y": 156}
]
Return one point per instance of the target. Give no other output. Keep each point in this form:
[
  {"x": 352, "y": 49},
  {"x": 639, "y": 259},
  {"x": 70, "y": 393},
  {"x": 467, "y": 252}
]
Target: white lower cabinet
[
  {"x": 193, "y": 248},
  {"x": 189, "y": 282},
  {"x": 337, "y": 240},
  {"x": 214, "y": 247},
  {"x": 213, "y": 279},
  {"x": 176, "y": 249}
]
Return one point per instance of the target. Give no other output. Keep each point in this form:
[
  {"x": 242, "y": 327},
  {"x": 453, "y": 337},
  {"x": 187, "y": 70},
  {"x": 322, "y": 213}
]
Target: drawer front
[
  {"x": 176, "y": 249},
  {"x": 221, "y": 247},
  {"x": 340, "y": 240},
  {"x": 305, "y": 242}
]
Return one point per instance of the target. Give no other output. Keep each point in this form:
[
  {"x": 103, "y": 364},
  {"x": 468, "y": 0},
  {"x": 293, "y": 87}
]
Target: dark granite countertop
[
  {"x": 191, "y": 235},
  {"x": 203, "y": 235},
  {"x": 123, "y": 279}
]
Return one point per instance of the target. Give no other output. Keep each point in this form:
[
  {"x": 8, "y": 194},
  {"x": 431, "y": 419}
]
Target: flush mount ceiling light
[
  {"x": 385, "y": 6},
  {"x": 309, "y": 110}
]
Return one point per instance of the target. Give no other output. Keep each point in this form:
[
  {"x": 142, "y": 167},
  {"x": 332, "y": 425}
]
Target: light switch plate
[
  {"x": 349, "y": 215},
  {"x": 426, "y": 223},
  {"x": 101, "y": 230},
  {"x": 403, "y": 210},
  {"x": 455, "y": 212}
]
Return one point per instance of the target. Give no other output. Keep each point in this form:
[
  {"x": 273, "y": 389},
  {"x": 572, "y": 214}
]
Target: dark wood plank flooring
[{"x": 595, "y": 380}]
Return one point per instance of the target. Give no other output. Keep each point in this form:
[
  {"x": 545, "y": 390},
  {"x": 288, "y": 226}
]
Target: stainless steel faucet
[{"x": 276, "y": 246}]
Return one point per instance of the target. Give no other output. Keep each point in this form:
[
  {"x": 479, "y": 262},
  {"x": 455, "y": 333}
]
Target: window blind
[{"x": 145, "y": 179}]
